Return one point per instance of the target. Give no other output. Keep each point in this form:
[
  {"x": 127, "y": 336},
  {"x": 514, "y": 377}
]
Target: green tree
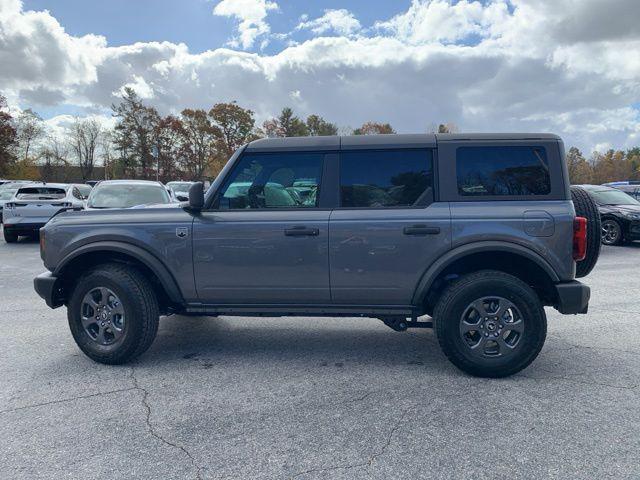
[
  {"x": 8, "y": 138},
  {"x": 133, "y": 135},
  {"x": 580, "y": 171},
  {"x": 317, "y": 126},
  {"x": 286, "y": 125},
  {"x": 374, "y": 128},
  {"x": 234, "y": 126},
  {"x": 198, "y": 145}
]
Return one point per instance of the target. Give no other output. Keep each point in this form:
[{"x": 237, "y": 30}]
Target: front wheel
[
  {"x": 113, "y": 314},
  {"x": 490, "y": 324},
  {"x": 611, "y": 232}
]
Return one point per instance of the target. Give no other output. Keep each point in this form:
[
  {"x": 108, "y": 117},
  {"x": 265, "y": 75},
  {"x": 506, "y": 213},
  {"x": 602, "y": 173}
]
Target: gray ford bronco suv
[{"x": 479, "y": 232}]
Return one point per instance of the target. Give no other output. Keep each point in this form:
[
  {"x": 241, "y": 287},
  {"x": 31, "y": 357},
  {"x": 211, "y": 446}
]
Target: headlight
[{"x": 633, "y": 216}]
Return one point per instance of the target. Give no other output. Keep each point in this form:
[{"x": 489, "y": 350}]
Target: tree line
[{"x": 196, "y": 143}]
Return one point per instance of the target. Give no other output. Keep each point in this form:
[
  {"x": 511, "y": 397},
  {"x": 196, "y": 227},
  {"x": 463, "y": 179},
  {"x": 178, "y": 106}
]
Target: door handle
[
  {"x": 421, "y": 230},
  {"x": 301, "y": 232}
]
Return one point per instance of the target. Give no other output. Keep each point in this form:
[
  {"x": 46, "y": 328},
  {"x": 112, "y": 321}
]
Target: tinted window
[
  {"x": 502, "y": 171},
  {"x": 124, "y": 195},
  {"x": 283, "y": 180},
  {"x": 386, "y": 178},
  {"x": 41, "y": 193},
  {"x": 84, "y": 190}
]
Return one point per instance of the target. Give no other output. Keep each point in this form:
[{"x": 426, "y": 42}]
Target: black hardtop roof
[{"x": 355, "y": 142}]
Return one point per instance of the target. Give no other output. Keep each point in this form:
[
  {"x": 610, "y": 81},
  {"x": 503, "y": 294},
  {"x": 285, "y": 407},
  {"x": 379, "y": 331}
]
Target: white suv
[{"x": 34, "y": 204}]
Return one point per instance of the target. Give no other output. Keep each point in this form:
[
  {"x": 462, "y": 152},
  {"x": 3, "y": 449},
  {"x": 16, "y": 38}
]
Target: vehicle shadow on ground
[{"x": 268, "y": 340}]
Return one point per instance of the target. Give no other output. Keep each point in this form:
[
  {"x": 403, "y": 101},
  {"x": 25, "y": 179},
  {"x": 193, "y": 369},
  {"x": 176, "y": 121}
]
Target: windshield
[
  {"x": 613, "y": 197},
  {"x": 126, "y": 195},
  {"x": 179, "y": 186},
  {"x": 6, "y": 194}
]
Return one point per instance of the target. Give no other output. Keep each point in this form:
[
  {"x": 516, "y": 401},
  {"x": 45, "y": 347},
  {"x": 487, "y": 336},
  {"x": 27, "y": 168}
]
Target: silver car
[
  {"x": 127, "y": 194},
  {"x": 34, "y": 204}
]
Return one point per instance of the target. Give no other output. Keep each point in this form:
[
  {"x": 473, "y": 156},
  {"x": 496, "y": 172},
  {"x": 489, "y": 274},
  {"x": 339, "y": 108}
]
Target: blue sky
[
  {"x": 561, "y": 66},
  {"x": 192, "y": 22}
]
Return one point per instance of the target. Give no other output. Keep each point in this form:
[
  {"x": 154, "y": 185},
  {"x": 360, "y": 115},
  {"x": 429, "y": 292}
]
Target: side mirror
[{"x": 196, "y": 196}]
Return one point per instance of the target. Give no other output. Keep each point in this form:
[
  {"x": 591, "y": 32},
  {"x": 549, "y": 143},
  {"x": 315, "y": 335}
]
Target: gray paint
[{"x": 361, "y": 260}]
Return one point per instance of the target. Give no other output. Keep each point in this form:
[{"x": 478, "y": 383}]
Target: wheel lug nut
[{"x": 486, "y": 334}]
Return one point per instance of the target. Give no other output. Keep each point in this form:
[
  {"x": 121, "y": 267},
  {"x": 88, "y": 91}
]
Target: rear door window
[
  {"x": 502, "y": 171},
  {"x": 386, "y": 178}
]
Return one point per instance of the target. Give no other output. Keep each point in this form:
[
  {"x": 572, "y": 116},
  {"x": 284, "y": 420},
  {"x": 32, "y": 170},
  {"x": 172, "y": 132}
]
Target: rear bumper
[
  {"x": 23, "y": 228},
  {"x": 48, "y": 287},
  {"x": 572, "y": 297}
]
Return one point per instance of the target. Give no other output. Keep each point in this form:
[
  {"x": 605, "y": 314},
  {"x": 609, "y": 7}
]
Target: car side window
[
  {"x": 76, "y": 193},
  {"x": 386, "y": 178},
  {"x": 507, "y": 171},
  {"x": 273, "y": 180}
]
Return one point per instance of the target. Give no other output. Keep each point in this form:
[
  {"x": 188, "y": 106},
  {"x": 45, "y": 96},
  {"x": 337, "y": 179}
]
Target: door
[
  {"x": 265, "y": 240},
  {"x": 387, "y": 230}
]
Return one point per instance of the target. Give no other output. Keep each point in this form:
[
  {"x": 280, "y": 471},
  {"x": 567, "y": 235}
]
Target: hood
[{"x": 623, "y": 209}]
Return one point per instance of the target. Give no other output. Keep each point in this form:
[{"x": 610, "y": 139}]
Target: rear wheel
[
  {"x": 611, "y": 232},
  {"x": 490, "y": 324},
  {"x": 113, "y": 314},
  {"x": 9, "y": 237},
  {"x": 586, "y": 207}
]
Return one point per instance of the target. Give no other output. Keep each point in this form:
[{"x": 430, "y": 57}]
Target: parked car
[
  {"x": 180, "y": 190},
  {"x": 84, "y": 189},
  {"x": 630, "y": 189},
  {"x": 6, "y": 194},
  {"x": 477, "y": 231},
  {"x": 34, "y": 204},
  {"x": 620, "y": 214},
  {"x": 127, "y": 193}
]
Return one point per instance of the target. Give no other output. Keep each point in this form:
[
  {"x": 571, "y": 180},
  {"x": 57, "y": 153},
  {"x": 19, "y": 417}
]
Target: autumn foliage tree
[{"x": 374, "y": 128}]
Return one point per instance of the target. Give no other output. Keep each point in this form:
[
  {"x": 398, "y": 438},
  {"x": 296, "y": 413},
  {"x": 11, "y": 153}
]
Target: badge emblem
[{"x": 182, "y": 232}]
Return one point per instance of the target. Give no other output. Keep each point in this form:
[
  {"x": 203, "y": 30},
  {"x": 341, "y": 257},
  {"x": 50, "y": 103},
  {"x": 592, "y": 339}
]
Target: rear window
[
  {"x": 506, "y": 171},
  {"x": 126, "y": 195},
  {"x": 385, "y": 178},
  {"x": 40, "y": 193}
]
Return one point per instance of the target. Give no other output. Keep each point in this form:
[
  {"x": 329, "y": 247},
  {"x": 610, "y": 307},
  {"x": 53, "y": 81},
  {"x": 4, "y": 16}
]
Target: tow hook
[{"x": 400, "y": 324}]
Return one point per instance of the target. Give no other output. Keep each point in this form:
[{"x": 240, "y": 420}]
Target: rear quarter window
[{"x": 502, "y": 171}]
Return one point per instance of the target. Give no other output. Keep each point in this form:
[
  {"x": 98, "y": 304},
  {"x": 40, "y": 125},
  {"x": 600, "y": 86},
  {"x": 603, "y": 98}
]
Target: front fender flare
[
  {"x": 457, "y": 253},
  {"x": 146, "y": 258}
]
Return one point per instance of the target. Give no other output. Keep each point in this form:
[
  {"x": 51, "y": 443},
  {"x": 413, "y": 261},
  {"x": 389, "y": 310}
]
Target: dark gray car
[{"x": 477, "y": 231}]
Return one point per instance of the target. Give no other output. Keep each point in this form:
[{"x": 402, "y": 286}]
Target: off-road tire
[
  {"x": 487, "y": 283},
  {"x": 9, "y": 237},
  {"x": 586, "y": 207},
  {"x": 140, "y": 304}
]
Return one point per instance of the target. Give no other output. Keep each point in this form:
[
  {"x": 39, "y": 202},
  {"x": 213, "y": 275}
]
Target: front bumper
[
  {"x": 632, "y": 232},
  {"x": 572, "y": 297},
  {"x": 49, "y": 288}
]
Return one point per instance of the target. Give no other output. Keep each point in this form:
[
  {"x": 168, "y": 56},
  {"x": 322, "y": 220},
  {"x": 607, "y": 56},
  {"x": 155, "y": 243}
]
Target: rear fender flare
[{"x": 437, "y": 267}]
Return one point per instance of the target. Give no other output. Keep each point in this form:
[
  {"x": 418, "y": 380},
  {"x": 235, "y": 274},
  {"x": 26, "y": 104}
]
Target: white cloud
[
  {"x": 141, "y": 87},
  {"x": 519, "y": 66},
  {"x": 339, "y": 21},
  {"x": 251, "y": 15}
]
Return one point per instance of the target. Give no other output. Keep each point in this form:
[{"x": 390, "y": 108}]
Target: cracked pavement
[{"x": 283, "y": 398}]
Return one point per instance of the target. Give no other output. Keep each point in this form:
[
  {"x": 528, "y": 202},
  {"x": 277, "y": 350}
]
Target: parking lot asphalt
[{"x": 281, "y": 398}]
